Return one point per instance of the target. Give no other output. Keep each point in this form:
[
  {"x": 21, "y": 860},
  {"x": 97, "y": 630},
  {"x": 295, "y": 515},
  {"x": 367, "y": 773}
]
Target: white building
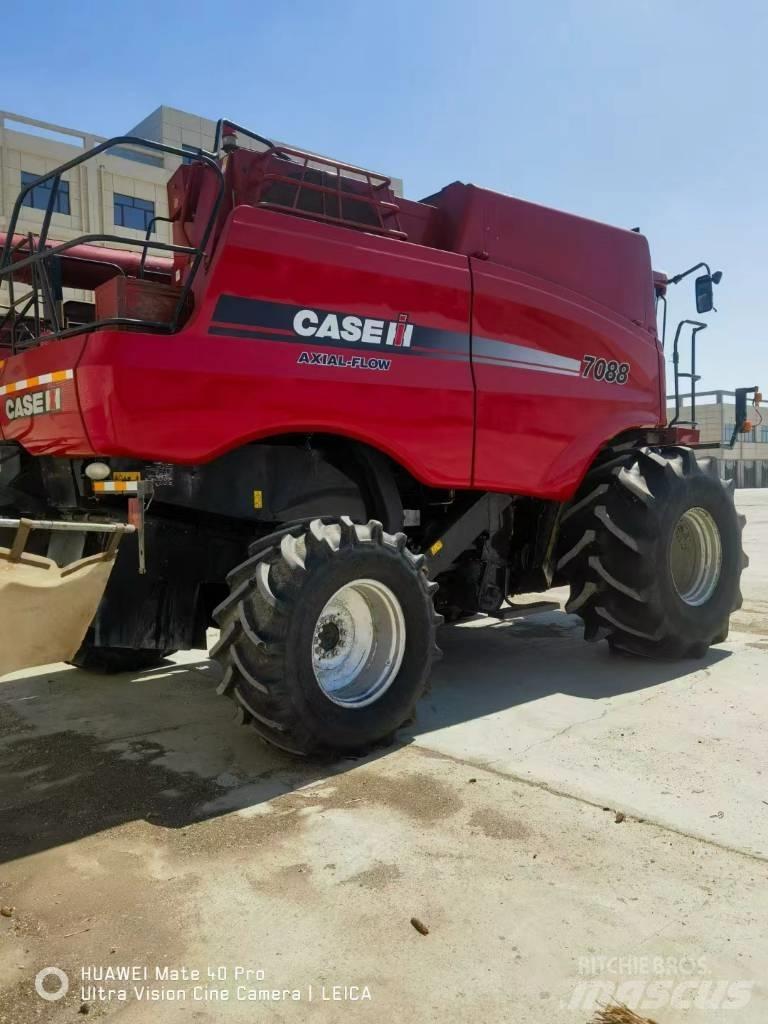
[
  {"x": 120, "y": 190},
  {"x": 747, "y": 461}
]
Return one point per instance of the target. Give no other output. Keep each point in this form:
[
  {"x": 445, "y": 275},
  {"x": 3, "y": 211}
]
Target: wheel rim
[
  {"x": 695, "y": 556},
  {"x": 358, "y": 643}
]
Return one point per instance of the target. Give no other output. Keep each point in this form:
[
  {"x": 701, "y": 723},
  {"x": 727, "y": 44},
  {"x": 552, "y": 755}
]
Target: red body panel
[
  {"x": 56, "y": 433},
  {"x": 484, "y": 383},
  {"x": 539, "y": 421},
  {"x": 194, "y": 395}
]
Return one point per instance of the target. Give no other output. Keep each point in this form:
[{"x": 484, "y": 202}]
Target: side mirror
[{"x": 704, "y": 297}]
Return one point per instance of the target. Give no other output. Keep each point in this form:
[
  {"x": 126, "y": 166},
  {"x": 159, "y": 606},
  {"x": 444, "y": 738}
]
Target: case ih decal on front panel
[
  {"x": 338, "y": 327},
  {"x": 277, "y": 321}
]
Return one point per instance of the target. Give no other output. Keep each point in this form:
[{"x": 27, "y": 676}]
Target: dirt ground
[{"x": 569, "y": 827}]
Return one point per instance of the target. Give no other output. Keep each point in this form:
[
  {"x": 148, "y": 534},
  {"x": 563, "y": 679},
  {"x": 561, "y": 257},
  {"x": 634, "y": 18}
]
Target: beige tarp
[{"x": 44, "y": 610}]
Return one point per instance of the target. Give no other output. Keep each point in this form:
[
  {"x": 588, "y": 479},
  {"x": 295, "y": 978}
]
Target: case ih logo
[
  {"x": 34, "y": 403},
  {"x": 308, "y": 323}
]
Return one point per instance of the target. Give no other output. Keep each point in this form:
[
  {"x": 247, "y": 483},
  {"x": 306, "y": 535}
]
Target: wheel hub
[
  {"x": 358, "y": 643},
  {"x": 695, "y": 556},
  {"x": 329, "y": 635}
]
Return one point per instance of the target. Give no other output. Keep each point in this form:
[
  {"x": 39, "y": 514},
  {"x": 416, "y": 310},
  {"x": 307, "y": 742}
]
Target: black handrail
[
  {"x": 86, "y": 239},
  {"x": 40, "y": 254},
  {"x": 150, "y": 229},
  {"x": 217, "y": 140},
  {"x": 32, "y": 299},
  {"x": 696, "y": 326}
]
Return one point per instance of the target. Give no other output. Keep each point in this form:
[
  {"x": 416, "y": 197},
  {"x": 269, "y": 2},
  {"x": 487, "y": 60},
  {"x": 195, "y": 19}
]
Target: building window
[
  {"x": 38, "y": 197},
  {"x": 192, "y": 152},
  {"x": 728, "y": 431},
  {"x": 764, "y": 435},
  {"x": 133, "y": 213}
]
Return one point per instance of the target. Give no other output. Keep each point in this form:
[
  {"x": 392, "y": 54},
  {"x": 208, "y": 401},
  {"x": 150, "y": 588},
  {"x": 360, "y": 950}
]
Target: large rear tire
[
  {"x": 327, "y": 637},
  {"x": 651, "y": 548}
]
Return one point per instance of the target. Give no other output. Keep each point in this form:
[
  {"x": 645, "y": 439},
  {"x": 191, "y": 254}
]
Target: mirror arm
[{"x": 679, "y": 277}]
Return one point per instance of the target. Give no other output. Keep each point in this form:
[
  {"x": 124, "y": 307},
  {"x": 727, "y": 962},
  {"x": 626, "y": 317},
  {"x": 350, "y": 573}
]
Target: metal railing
[
  {"x": 334, "y": 191},
  {"x": 342, "y": 191},
  {"x": 224, "y": 122},
  {"x": 43, "y": 268},
  {"x": 696, "y": 326},
  {"x": 24, "y": 527},
  {"x": 19, "y": 306}
]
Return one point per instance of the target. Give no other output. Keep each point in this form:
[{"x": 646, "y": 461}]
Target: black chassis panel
[
  {"x": 169, "y": 607},
  {"x": 258, "y": 483}
]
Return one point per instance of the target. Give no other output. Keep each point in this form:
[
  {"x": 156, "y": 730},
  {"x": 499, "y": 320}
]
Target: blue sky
[{"x": 634, "y": 113}]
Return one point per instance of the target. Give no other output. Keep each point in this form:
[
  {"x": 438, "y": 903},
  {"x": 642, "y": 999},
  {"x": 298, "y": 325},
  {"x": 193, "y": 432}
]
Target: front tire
[
  {"x": 651, "y": 548},
  {"x": 327, "y": 637}
]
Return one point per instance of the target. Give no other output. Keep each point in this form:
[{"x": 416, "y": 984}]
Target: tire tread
[
  {"x": 608, "y": 550},
  {"x": 266, "y": 591}
]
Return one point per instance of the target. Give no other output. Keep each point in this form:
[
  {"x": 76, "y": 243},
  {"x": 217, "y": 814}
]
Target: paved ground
[{"x": 140, "y": 827}]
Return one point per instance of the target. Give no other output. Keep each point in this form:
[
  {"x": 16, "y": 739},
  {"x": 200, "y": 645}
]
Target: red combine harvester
[{"x": 333, "y": 417}]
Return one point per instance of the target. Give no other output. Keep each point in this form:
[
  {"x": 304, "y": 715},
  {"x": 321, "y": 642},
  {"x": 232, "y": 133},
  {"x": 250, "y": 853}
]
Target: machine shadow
[{"x": 81, "y": 754}]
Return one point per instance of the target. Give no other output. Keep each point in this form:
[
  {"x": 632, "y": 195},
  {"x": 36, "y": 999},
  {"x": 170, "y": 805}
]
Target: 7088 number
[{"x": 605, "y": 369}]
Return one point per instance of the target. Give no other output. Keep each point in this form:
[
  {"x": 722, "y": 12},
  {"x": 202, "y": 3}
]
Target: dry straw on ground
[{"x": 619, "y": 1014}]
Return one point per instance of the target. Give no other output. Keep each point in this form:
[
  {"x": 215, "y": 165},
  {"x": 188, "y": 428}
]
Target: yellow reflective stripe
[
  {"x": 35, "y": 382},
  {"x": 115, "y": 486}
]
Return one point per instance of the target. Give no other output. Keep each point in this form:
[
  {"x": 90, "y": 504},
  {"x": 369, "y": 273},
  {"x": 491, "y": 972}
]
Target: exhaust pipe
[{"x": 86, "y": 266}]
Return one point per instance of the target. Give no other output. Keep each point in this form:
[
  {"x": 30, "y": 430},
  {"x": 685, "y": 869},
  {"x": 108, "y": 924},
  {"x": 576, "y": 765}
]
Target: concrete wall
[{"x": 91, "y": 186}]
